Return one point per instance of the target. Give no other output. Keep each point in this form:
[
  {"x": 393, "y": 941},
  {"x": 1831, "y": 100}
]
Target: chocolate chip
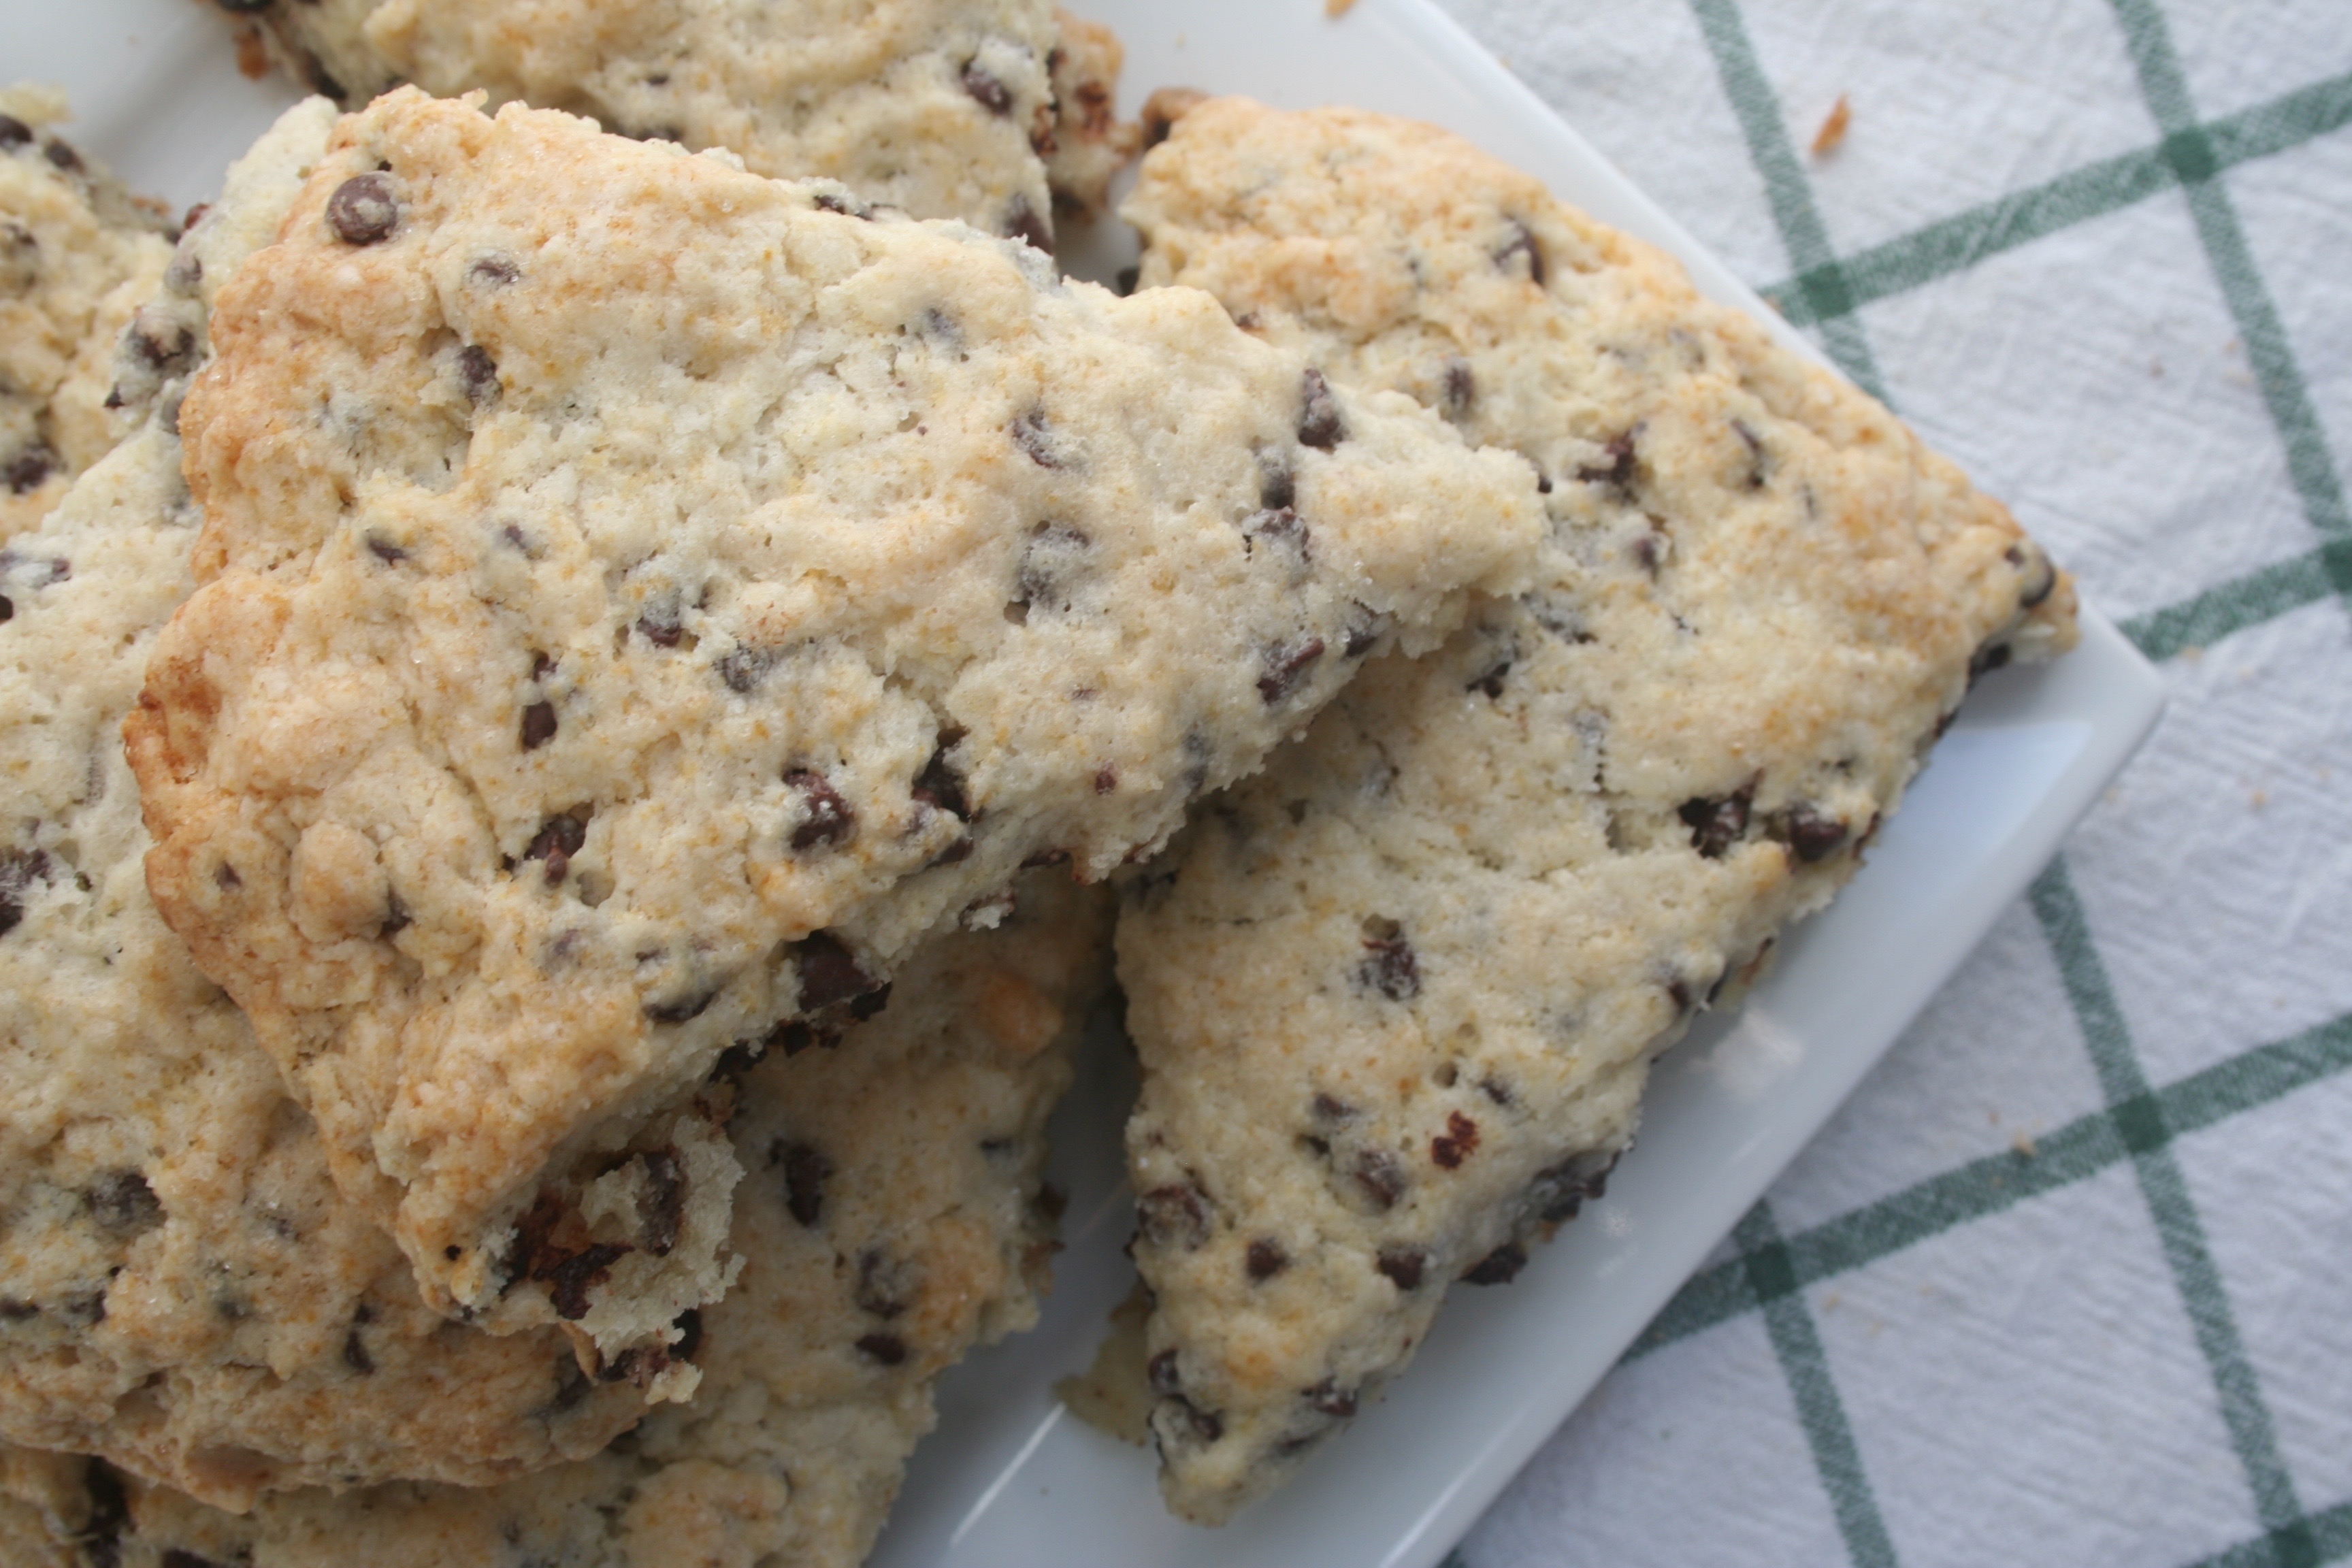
[
  {"x": 11, "y": 1310},
  {"x": 385, "y": 551},
  {"x": 121, "y": 1201},
  {"x": 1810, "y": 836},
  {"x": 1163, "y": 109},
  {"x": 1716, "y": 825},
  {"x": 63, "y": 157},
  {"x": 1491, "y": 683},
  {"x": 538, "y": 725},
  {"x": 478, "y": 373},
  {"x": 1285, "y": 665},
  {"x": 1266, "y": 1260},
  {"x": 1281, "y": 528},
  {"x": 1176, "y": 1214},
  {"x": 1393, "y": 969},
  {"x": 1034, "y": 436},
  {"x": 887, "y": 1350},
  {"x": 1320, "y": 423},
  {"x": 1326, "y": 1399},
  {"x": 165, "y": 346},
  {"x": 1989, "y": 658},
  {"x": 745, "y": 667},
  {"x": 1124, "y": 281},
  {"x": 1758, "y": 469},
  {"x": 355, "y": 1354},
  {"x": 846, "y": 207},
  {"x": 829, "y": 972},
  {"x": 493, "y": 272},
  {"x": 1054, "y": 559},
  {"x": 1679, "y": 992},
  {"x": 13, "y": 133},
  {"x": 1458, "y": 1142},
  {"x": 7, "y": 609},
  {"x": 1381, "y": 1177},
  {"x": 1105, "y": 778},
  {"x": 2041, "y": 576},
  {"x": 688, "y": 1325},
  {"x": 825, "y": 817},
  {"x": 225, "y": 879},
  {"x": 887, "y": 1286},
  {"x": 1403, "y": 1266},
  {"x": 559, "y": 838},
  {"x": 684, "y": 1007},
  {"x": 1023, "y": 223},
  {"x": 1522, "y": 242},
  {"x": 1619, "y": 471},
  {"x": 1328, "y": 1108},
  {"x": 571, "y": 1280},
  {"x": 1365, "y": 626},
  {"x": 805, "y": 1171},
  {"x": 1162, "y": 1376},
  {"x": 1206, "y": 1424},
  {"x": 661, "y": 1206},
  {"x": 1461, "y": 387},
  {"x": 939, "y": 786},
  {"x": 110, "y": 1514},
  {"x": 986, "y": 91},
  {"x": 1560, "y": 1192},
  {"x": 362, "y": 210},
  {"x": 30, "y": 469},
  {"x": 1499, "y": 1266}
]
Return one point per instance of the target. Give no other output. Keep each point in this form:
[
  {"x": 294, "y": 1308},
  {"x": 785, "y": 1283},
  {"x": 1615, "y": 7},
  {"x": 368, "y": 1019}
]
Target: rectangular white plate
[{"x": 1009, "y": 1481}]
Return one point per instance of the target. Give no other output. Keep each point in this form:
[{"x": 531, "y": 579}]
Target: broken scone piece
[
  {"x": 181, "y": 1288},
  {"x": 893, "y": 1218},
  {"x": 78, "y": 254},
  {"x": 964, "y": 108},
  {"x": 640, "y": 600},
  {"x": 1395, "y": 997}
]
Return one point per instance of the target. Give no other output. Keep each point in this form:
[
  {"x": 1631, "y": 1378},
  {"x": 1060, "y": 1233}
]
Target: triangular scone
[
  {"x": 78, "y": 254},
  {"x": 641, "y": 599},
  {"x": 943, "y": 108},
  {"x": 892, "y": 1220},
  {"x": 181, "y": 1290},
  {"x": 1395, "y": 996}
]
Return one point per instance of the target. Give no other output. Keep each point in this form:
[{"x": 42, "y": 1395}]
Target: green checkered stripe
[{"x": 2140, "y": 1122}]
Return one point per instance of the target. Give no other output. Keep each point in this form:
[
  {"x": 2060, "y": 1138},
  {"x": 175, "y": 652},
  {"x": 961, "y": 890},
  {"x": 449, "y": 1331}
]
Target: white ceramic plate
[{"x": 1009, "y": 1481}]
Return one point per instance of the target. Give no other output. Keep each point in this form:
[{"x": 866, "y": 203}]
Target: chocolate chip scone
[
  {"x": 892, "y": 1220},
  {"x": 76, "y": 255},
  {"x": 1395, "y": 997},
  {"x": 181, "y": 1288},
  {"x": 962, "y": 109},
  {"x": 641, "y": 599}
]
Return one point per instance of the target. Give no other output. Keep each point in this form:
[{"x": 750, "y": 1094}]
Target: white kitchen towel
[{"x": 2070, "y": 1281}]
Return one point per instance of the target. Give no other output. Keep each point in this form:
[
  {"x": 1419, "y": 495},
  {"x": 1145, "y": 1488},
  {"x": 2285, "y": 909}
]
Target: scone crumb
[
  {"x": 1114, "y": 1395},
  {"x": 1832, "y": 135}
]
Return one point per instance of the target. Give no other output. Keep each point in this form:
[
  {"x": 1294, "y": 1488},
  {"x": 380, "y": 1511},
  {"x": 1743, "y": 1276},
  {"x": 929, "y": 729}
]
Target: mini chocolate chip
[
  {"x": 825, "y": 817},
  {"x": 385, "y": 551},
  {"x": 1459, "y": 1141},
  {"x": 1055, "y": 557},
  {"x": 13, "y": 133},
  {"x": 888, "y": 1350},
  {"x": 1461, "y": 387},
  {"x": 1105, "y": 778},
  {"x": 1286, "y": 665},
  {"x": 1393, "y": 969},
  {"x": 1207, "y": 1425},
  {"x": 1320, "y": 423},
  {"x": 1498, "y": 1090},
  {"x": 805, "y": 1171},
  {"x": 396, "y": 918},
  {"x": 1491, "y": 683},
  {"x": 1281, "y": 527},
  {"x": 110, "y": 1514},
  {"x": 478, "y": 373},
  {"x": 2041, "y": 581},
  {"x": 861, "y": 1008},
  {"x": 30, "y": 469},
  {"x": 1716, "y": 825},
  {"x": 225, "y": 879},
  {"x": 1403, "y": 1266},
  {"x": 688, "y": 1325},
  {"x": 8, "y": 612},
  {"x": 1326, "y": 1399},
  {"x": 1176, "y": 1214},
  {"x": 683, "y": 1008},
  {"x": 1034, "y": 436},
  {"x": 1266, "y": 1260},
  {"x": 1162, "y": 1376},
  {"x": 745, "y": 667},
  {"x": 939, "y": 786},
  {"x": 1499, "y": 1266},
  {"x": 355, "y": 1354},
  {"x": 165, "y": 345},
  {"x": 122, "y": 1202},
  {"x": 1679, "y": 992},
  {"x": 1757, "y": 467},
  {"x": 538, "y": 725},
  {"x": 493, "y": 272},
  {"x": 887, "y": 1286},
  {"x": 661, "y": 1206},
  {"x": 829, "y": 972},
  {"x": 571, "y": 1280},
  {"x": 1382, "y": 1176},
  {"x": 1328, "y": 1108},
  {"x": 986, "y": 91},
  {"x": 1164, "y": 108},
  {"x": 1523, "y": 243},
  {"x": 362, "y": 210},
  {"x": 1619, "y": 470},
  {"x": 11, "y": 1310},
  {"x": 559, "y": 838},
  {"x": 63, "y": 157},
  {"x": 1810, "y": 834},
  {"x": 1364, "y": 629},
  {"x": 1989, "y": 658},
  {"x": 1023, "y": 223},
  {"x": 846, "y": 207},
  {"x": 572, "y": 1384}
]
